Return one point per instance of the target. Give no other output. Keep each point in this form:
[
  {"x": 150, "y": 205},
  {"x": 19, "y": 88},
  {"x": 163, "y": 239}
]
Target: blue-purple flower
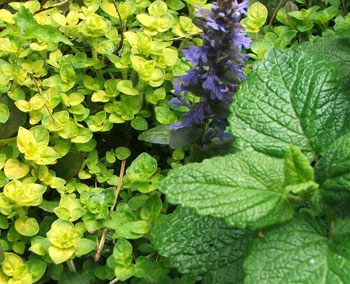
[
  {"x": 217, "y": 68},
  {"x": 195, "y": 53}
]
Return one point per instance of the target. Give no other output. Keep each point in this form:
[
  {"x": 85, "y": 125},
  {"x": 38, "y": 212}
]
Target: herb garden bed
[{"x": 175, "y": 142}]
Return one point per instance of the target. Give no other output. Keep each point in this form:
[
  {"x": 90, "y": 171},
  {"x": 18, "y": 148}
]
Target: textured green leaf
[
  {"x": 296, "y": 167},
  {"x": 300, "y": 252},
  {"x": 203, "y": 246},
  {"x": 334, "y": 49},
  {"x": 298, "y": 174},
  {"x": 246, "y": 189},
  {"x": 290, "y": 97},
  {"x": 332, "y": 172}
]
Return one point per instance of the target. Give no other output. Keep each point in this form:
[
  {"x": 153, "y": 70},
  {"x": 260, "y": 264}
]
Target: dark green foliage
[
  {"x": 293, "y": 107},
  {"x": 202, "y": 246}
]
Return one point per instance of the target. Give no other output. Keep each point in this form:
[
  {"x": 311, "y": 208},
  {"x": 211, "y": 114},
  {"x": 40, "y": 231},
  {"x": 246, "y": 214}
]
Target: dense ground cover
[{"x": 174, "y": 141}]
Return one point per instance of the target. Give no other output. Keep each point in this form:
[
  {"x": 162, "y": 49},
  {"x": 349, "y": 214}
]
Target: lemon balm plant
[{"x": 278, "y": 210}]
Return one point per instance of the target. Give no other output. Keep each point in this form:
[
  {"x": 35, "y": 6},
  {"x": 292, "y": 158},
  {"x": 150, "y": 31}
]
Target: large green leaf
[
  {"x": 202, "y": 246},
  {"x": 246, "y": 189},
  {"x": 334, "y": 49},
  {"x": 333, "y": 171},
  {"x": 301, "y": 252},
  {"x": 290, "y": 97}
]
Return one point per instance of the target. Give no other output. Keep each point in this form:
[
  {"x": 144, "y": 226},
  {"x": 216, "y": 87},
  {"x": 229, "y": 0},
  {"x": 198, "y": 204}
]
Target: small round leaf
[
  {"x": 14, "y": 169},
  {"x": 125, "y": 86},
  {"x": 27, "y": 226},
  {"x": 139, "y": 123},
  {"x": 122, "y": 153}
]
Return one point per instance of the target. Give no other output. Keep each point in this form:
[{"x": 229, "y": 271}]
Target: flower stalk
[{"x": 217, "y": 69}]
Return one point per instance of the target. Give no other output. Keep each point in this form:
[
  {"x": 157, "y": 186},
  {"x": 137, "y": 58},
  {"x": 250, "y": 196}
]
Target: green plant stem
[
  {"x": 105, "y": 231},
  {"x": 21, "y": 212},
  {"x": 111, "y": 75},
  {"x": 71, "y": 266},
  {"x": 40, "y": 93},
  {"x": 140, "y": 87},
  {"x": 93, "y": 53},
  {"x": 74, "y": 49}
]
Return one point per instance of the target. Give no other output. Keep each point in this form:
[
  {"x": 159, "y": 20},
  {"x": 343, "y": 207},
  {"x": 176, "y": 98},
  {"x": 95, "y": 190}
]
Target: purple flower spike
[
  {"x": 242, "y": 7},
  {"x": 210, "y": 81},
  {"x": 195, "y": 53},
  {"x": 177, "y": 88},
  {"x": 212, "y": 23},
  {"x": 217, "y": 68},
  {"x": 239, "y": 40},
  {"x": 190, "y": 77}
]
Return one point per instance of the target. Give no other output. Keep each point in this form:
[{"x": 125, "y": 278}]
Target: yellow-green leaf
[
  {"x": 27, "y": 226},
  {"x": 257, "y": 15},
  {"x": 59, "y": 255},
  {"x": 84, "y": 246},
  {"x": 24, "y": 138},
  {"x": 4, "y": 113},
  {"x": 14, "y": 169},
  {"x": 125, "y": 86}
]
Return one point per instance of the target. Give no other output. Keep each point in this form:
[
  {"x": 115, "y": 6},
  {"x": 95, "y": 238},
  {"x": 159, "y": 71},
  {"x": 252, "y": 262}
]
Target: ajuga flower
[{"x": 217, "y": 68}]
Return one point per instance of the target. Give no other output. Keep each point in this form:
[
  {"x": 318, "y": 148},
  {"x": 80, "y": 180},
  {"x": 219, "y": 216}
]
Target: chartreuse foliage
[
  {"x": 288, "y": 187},
  {"x": 79, "y": 81},
  {"x": 294, "y": 21}
]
